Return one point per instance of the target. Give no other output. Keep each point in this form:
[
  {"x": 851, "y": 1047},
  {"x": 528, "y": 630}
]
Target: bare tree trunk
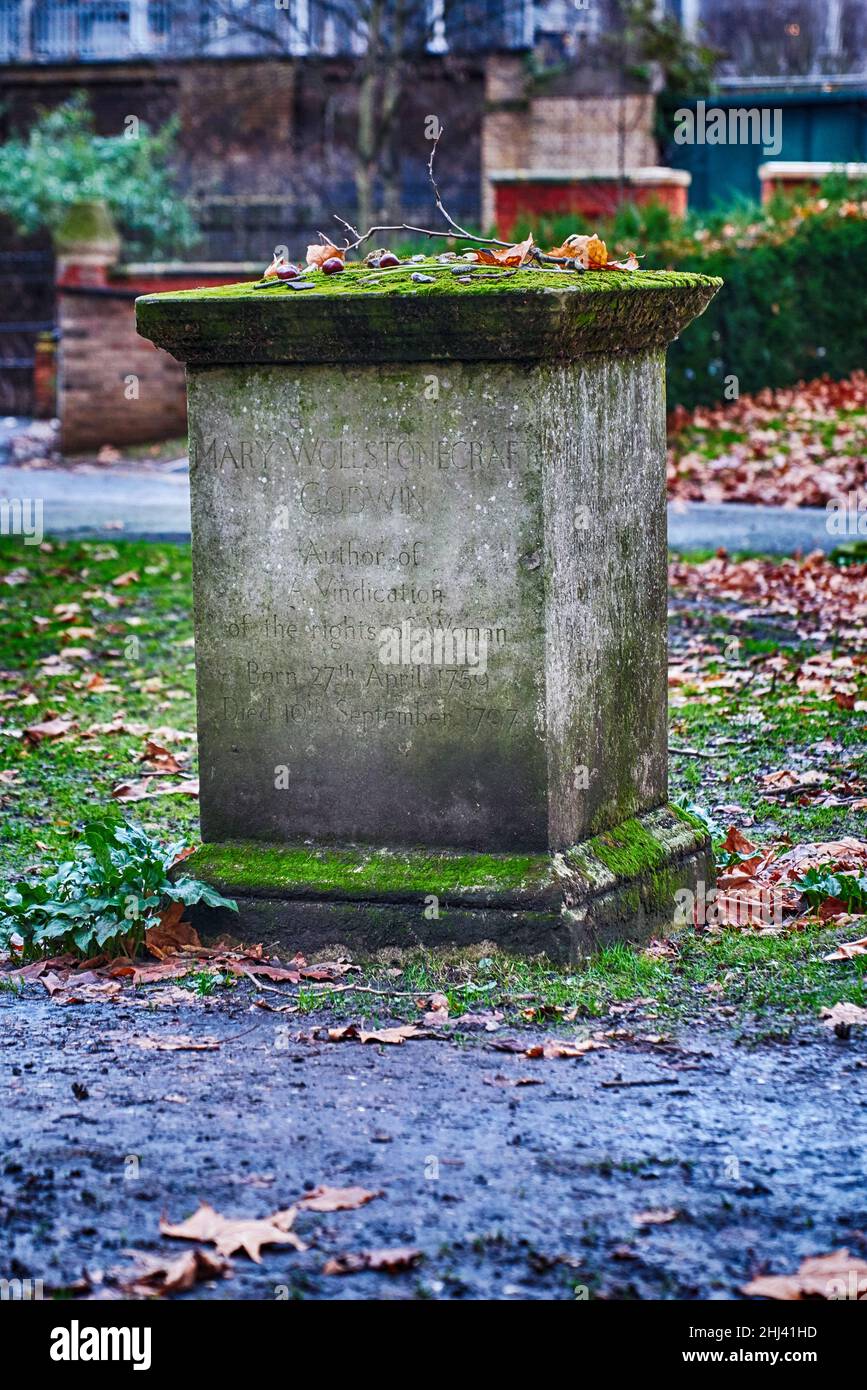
[
  {"x": 367, "y": 138},
  {"x": 392, "y": 88}
]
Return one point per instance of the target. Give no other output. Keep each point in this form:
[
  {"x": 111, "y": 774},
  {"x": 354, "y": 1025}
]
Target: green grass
[
  {"x": 62, "y": 783},
  {"x": 727, "y": 974}
]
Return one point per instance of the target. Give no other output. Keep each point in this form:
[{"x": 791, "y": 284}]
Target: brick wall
[
  {"x": 113, "y": 386},
  {"x": 526, "y": 129}
]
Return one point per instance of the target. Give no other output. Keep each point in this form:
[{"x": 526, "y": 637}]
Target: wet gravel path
[{"x": 509, "y": 1191}]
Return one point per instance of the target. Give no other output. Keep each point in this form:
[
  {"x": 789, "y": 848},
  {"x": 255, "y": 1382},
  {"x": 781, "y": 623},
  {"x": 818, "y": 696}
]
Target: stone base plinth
[{"x": 358, "y": 900}]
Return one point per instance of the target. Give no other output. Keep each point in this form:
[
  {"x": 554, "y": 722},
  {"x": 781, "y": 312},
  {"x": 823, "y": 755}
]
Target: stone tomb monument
[{"x": 429, "y": 556}]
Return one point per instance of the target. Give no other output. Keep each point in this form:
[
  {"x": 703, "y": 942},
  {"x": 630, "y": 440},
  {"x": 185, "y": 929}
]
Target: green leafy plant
[
  {"x": 63, "y": 161},
  {"x": 104, "y": 899},
  {"x": 818, "y": 885}
]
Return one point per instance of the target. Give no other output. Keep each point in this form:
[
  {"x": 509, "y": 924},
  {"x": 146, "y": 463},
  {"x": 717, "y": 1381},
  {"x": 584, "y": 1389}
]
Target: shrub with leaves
[
  {"x": 102, "y": 900},
  {"x": 821, "y": 885},
  {"x": 64, "y": 161}
]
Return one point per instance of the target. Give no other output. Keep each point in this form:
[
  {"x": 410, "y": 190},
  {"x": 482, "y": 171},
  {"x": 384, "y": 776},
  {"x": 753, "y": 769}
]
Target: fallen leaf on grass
[
  {"x": 57, "y": 727},
  {"x": 124, "y": 580},
  {"x": 847, "y": 950},
  {"x": 834, "y": 1276},
  {"x": 336, "y": 1198},
  {"x": 655, "y": 1216},
  {"x": 394, "y": 1261},
  {"x": 489, "y": 1020},
  {"x": 159, "y": 758},
  {"x": 736, "y": 842},
  {"x": 117, "y": 725},
  {"x": 437, "y": 1007},
  {"x": 147, "y": 789},
  {"x": 248, "y": 1234}
]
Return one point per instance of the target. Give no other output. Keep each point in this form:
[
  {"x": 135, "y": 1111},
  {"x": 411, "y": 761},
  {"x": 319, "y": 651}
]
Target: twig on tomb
[{"x": 454, "y": 229}]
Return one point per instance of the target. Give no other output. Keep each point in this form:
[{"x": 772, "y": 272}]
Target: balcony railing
[{"x": 52, "y": 31}]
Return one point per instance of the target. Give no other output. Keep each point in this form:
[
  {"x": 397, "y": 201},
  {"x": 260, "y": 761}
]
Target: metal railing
[{"x": 52, "y": 31}]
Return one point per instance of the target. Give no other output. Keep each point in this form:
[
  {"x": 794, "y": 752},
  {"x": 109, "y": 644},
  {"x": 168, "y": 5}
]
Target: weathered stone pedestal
[{"x": 429, "y": 545}]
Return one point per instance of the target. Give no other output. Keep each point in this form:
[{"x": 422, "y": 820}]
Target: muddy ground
[{"x": 510, "y": 1192}]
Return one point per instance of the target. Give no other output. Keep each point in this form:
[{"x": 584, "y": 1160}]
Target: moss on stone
[
  {"x": 629, "y": 850},
  {"x": 689, "y": 819},
  {"x": 246, "y": 866},
  {"x": 640, "y": 847},
  {"x": 365, "y": 316},
  {"x": 360, "y": 281}
]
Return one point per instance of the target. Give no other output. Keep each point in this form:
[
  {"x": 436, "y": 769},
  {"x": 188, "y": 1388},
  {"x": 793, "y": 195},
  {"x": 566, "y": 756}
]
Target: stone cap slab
[{"x": 363, "y": 316}]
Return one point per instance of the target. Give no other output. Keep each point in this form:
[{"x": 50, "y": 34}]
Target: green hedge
[{"x": 786, "y": 312}]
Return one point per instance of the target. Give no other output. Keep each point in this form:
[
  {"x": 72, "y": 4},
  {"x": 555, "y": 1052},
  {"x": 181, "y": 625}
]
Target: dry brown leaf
[
  {"x": 124, "y": 580},
  {"x": 148, "y": 788},
  {"x": 178, "y": 1043},
  {"x": 256, "y": 969},
  {"x": 353, "y": 1032},
  {"x": 160, "y": 758},
  {"x": 845, "y": 1014},
  {"x": 318, "y": 253},
  {"x": 437, "y": 1010},
  {"x": 393, "y": 1261},
  {"x": 550, "y": 1048},
  {"x": 588, "y": 251},
  {"x": 336, "y": 1198},
  {"x": 553, "y": 1047},
  {"x": 171, "y": 933},
  {"x": 175, "y": 1276},
  {"x": 56, "y": 727},
  {"x": 847, "y": 950},
  {"x": 838, "y": 1275},
  {"x": 81, "y": 987},
  {"x": 248, "y": 1234},
  {"x": 655, "y": 1216},
  {"x": 512, "y": 256},
  {"x": 736, "y": 842}
]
